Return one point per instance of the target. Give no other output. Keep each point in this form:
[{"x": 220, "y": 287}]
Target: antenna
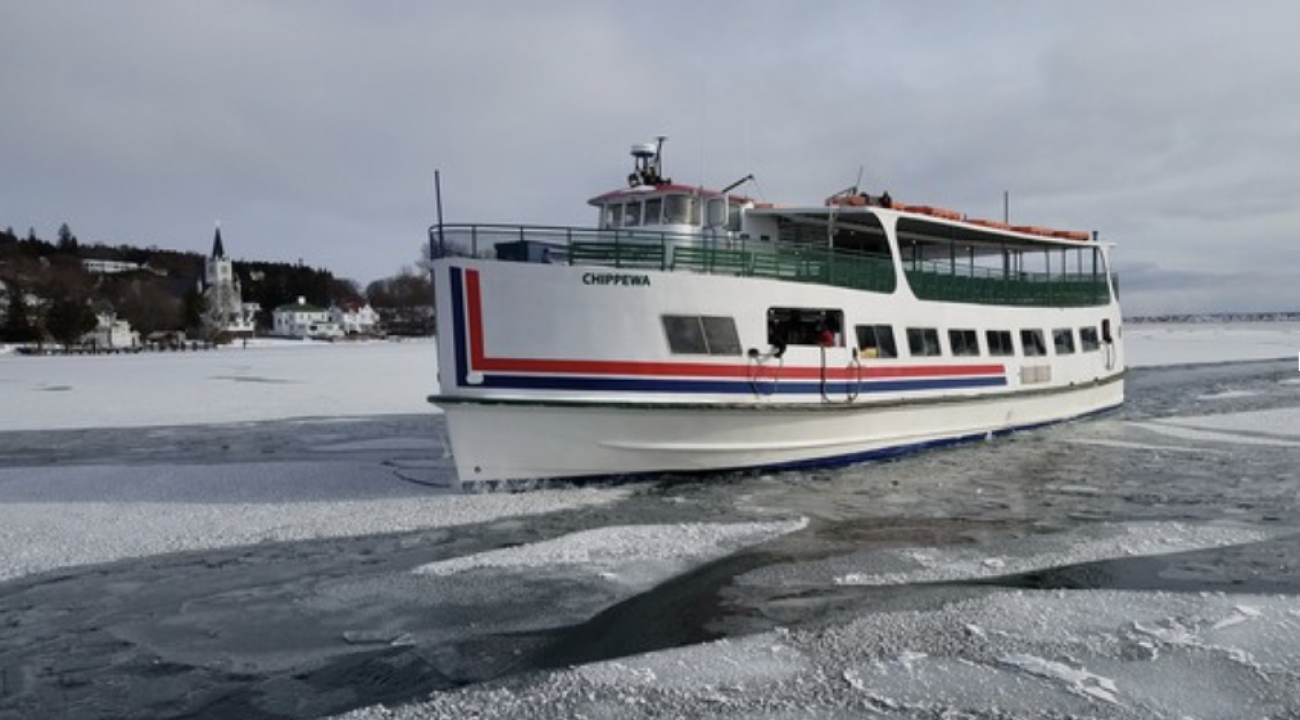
[
  {"x": 737, "y": 184},
  {"x": 437, "y": 195},
  {"x": 648, "y": 164}
]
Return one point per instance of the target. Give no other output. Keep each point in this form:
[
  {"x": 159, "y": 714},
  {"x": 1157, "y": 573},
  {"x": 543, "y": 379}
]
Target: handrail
[{"x": 726, "y": 255}]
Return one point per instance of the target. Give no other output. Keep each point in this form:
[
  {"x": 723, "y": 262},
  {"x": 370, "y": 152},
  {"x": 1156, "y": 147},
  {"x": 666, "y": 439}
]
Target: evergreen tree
[
  {"x": 67, "y": 320},
  {"x": 67, "y": 241},
  {"x": 18, "y": 322},
  {"x": 193, "y": 308}
]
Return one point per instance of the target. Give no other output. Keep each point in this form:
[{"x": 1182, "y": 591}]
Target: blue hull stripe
[
  {"x": 458, "y": 326},
  {"x": 716, "y": 387}
]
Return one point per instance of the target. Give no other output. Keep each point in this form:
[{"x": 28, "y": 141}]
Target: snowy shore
[{"x": 268, "y": 380}]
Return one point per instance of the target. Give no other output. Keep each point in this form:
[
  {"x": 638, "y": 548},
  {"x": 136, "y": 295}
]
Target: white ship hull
[
  {"x": 506, "y": 441},
  {"x": 551, "y": 371}
]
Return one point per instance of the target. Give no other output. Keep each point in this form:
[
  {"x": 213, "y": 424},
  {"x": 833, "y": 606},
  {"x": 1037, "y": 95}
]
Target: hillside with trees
[{"x": 48, "y": 288}]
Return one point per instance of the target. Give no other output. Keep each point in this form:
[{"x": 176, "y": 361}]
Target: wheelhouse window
[
  {"x": 653, "y": 208},
  {"x": 613, "y": 215},
  {"x": 632, "y": 214},
  {"x": 1088, "y": 339},
  {"x": 701, "y": 335},
  {"x": 1000, "y": 344},
  {"x": 805, "y": 326},
  {"x": 681, "y": 210},
  {"x": 876, "y": 341},
  {"x": 923, "y": 342},
  {"x": 964, "y": 342},
  {"x": 1032, "y": 342},
  {"x": 1063, "y": 340}
]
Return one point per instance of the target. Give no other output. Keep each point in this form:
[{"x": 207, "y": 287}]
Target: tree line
[{"x": 51, "y": 294}]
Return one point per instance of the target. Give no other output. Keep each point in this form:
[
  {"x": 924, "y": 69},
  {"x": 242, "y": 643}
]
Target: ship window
[
  {"x": 733, "y": 218},
  {"x": 804, "y": 326},
  {"x": 1000, "y": 343},
  {"x": 964, "y": 342},
  {"x": 632, "y": 214},
  {"x": 1088, "y": 339},
  {"x": 696, "y": 335},
  {"x": 681, "y": 210},
  {"x": 653, "y": 207},
  {"x": 720, "y": 334},
  {"x": 613, "y": 215},
  {"x": 1063, "y": 339},
  {"x": 923, "y": 342},
  {"x": 876, "y": 341},
  {"x": 1032, "y": 341}
]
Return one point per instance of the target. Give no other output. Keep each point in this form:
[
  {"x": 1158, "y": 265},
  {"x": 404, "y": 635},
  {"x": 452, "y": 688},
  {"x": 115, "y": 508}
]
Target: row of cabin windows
[
  {"x": 877, "y": 341},
  {"x": 716, "y": 335},
  {"x": 665, "y": 210},
  {"x": 669, "y": 210}
]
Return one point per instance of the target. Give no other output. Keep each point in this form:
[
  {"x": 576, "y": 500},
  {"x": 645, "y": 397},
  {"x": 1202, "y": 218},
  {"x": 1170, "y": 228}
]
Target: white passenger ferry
[{"x": 696, "y": 330}]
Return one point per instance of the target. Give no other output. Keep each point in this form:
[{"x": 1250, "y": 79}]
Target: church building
[{"x": 226, "y": 315}]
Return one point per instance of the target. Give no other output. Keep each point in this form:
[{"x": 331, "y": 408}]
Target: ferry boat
[{"x": 696, "y": 330}]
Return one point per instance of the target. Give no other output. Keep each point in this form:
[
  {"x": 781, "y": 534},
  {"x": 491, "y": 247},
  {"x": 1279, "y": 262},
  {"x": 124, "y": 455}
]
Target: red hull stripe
[{"x": 480, "y": 362}]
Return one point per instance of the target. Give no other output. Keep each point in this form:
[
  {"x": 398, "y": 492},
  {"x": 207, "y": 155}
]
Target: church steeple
[
  {"x": 217, "y": 250},
  {"x": 226, "y": 314}
]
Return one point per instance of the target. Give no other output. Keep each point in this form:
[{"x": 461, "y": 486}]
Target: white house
[
  {"x": 111, "y": 334},
  {"x": 110, "y": 267},
  {"x": 300, "y": 320},
  {"x": 355, "y": 318}
]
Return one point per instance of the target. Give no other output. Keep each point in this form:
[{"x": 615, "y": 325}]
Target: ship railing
[
  {"x": 946, "y": 282},
  {"x": 674, "y": 252},
  {"x": 740, "y": 256}
]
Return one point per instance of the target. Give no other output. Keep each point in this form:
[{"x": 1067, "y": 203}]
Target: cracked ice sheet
[
  {"x": 1025, "y": 654},
  {"x": 1082, "y": 652},
  {"x": 609, "y": 551},
  {"x": 131, "y": 511},
  {"x": 1101, "y": 541},
  {"x": 1278, "y": 427}
]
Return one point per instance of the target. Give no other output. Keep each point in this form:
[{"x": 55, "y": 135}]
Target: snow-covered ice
[
  {"x": 1141, "y": 565},
  {"x": 139, "y": 511},
  {"x": 1150, "y": 344},
  {"x": 1099, "y": 541},
  {"x": 608, "y": 549},
  {"x": 268, "y": 380}
]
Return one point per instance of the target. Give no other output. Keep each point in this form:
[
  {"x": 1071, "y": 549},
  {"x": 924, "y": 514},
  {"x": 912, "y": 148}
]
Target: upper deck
[{"x": 851, "y": 241}]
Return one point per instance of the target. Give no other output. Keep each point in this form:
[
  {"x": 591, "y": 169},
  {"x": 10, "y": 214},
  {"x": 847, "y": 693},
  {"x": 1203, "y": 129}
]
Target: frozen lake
[{"x": 275, "y": 533}]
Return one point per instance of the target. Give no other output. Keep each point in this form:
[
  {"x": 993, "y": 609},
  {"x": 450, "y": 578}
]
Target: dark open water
[{"x": 243, "y": 633}]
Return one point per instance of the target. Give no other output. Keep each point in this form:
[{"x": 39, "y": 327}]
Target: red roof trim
[{"x": 659, "y": 191}]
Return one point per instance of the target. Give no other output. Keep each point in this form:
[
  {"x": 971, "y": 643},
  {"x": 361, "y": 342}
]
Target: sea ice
[
  {"x": 1089, "y": 544},
  {"x": 605, "y": 550},
  {"x": 64, "y": 516}
]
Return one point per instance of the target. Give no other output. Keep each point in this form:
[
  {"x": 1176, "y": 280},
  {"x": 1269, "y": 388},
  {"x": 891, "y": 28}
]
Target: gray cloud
[{"x": 312, "y": 129}]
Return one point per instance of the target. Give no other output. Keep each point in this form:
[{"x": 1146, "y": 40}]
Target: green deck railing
[
  {"x": 946, "y": 282},
  {"x": 939, "y": 281}
]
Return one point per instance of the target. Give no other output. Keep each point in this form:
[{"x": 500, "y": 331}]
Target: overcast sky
[{"x": 311, "y": 129}]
